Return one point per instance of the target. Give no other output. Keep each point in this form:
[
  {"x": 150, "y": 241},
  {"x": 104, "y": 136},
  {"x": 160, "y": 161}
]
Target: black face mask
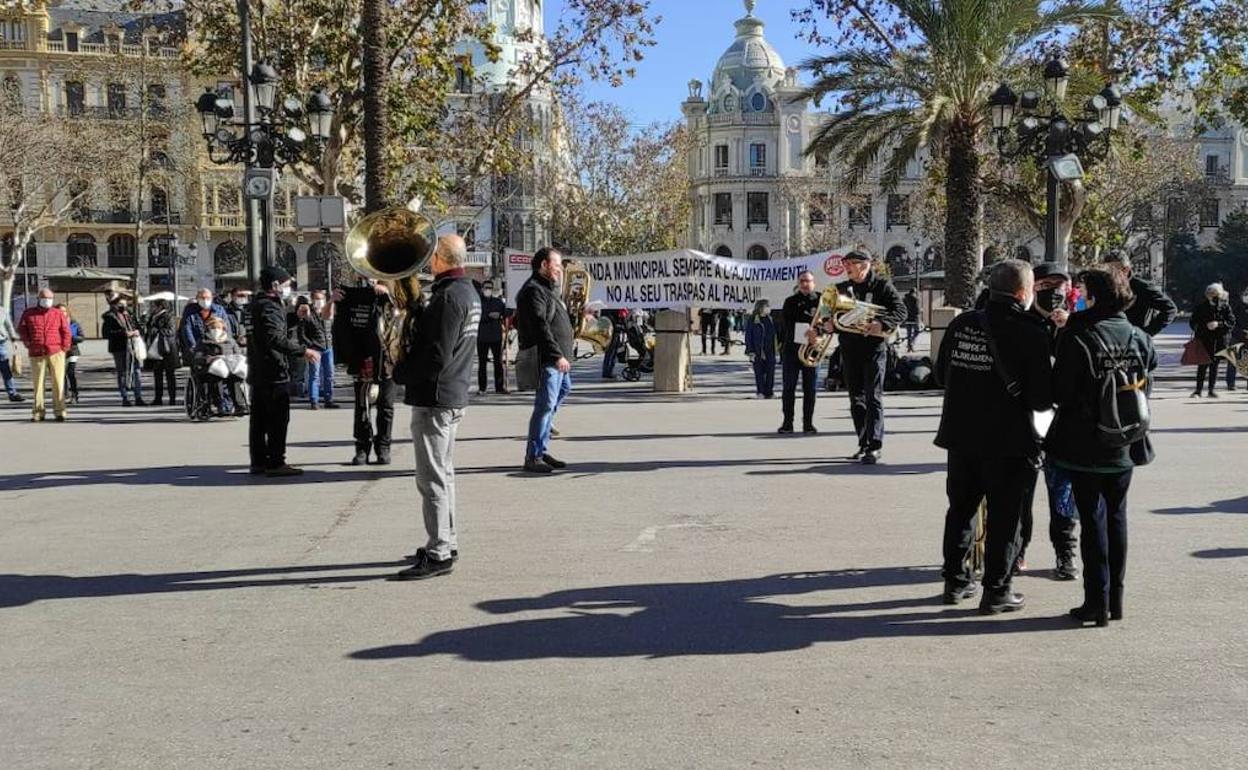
[{"x": 1049, "y": 300}]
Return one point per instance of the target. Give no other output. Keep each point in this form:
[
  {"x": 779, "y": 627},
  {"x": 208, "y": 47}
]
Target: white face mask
[
  {"x": 205, "y": 303},
  {"x": 45, "y": 302},
  {"x": 216, "y": 335},
  {"x": 488, "y": 293},
  {"x": 318, "y": 304},
  {"x": 286, "y": 291},
  {"x": 241, "y": 302}
]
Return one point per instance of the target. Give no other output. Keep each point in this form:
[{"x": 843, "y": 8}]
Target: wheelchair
[{"x": 204, "y": 389}]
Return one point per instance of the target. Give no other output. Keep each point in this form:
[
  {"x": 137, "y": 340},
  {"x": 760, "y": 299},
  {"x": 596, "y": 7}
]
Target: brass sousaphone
[
  {"x": 576, "y": 285},
  {"x": 393, "y": 245}
]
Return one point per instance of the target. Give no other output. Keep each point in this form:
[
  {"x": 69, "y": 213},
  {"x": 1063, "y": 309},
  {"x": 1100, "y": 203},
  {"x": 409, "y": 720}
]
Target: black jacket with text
[
  {"x": 542, "y": 320},
  {"x": 445, "y": 345},
  {"x": 797, "y": 308},
  {"x": 980, "y": 417}
]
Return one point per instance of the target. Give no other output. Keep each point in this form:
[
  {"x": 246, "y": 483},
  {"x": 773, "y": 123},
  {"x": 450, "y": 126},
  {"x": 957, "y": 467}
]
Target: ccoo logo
[{"x": 834, "y": 266}]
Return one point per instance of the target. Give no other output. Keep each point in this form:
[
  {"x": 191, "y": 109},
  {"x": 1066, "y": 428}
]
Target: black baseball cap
[
  {"x": 1049, "y": 270},
  {"x": 273, "y": 274},
  {"x": 1116, "y": 257},
  {"x": 857, "y": 256}
]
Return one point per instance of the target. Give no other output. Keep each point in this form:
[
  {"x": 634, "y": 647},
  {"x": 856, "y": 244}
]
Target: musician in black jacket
[
  {"x": 490, "y": 340},
  {"x": 986, "y": 427},
  {"x": 546, "y": 340},
  {"x": 437, "y": 378},
  {"x": 1151, "y": 310},
  {"x": 796, "y": 316},
  {"x": 864, "y": 357},
  {"x": 268, "y": 368}
]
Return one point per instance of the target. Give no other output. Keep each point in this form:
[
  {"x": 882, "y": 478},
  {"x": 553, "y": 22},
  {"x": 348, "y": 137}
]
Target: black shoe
[
  {"x": 1066, "y": 569},
  {"x": 809, "y": 429},
  {"x": 858, "y": 455},
  {"x": 1000, "y": 601},
  {"x": 256, "y": 470},
  {"x": 1197, "y": 394},
  {"x": 955, "y": 593},
  {"x": 871, "y": 457},
  {"x": 332, "y": 405},
  {"x": 534, "y": 465},
  {"x": 1212, "y": 394},
  {"x": 785, "y": 428},
  {"x": 140, "y": 402},
  {"x": 1085, "y": 614},
  {"x": 1115, "y": 604},
  {"x": 158, "y": 402},
  {"x": 172, "y": 402},
  {"x": 361, "y": 457},
  {"x": 382, "y": 456},
  {"x": 15, "y": 397},
  {"x": 420, "y": 554},
  {"x": 126, "y": 402},
  {"x": 502, "y": 391},
  {"x": 314, "y": 406},
  {"x": 425, "y": 568},
  {"x": 552, "y": 462},
  {"x": 60, "y": 418},
  {"x": 283, "y": 471}
]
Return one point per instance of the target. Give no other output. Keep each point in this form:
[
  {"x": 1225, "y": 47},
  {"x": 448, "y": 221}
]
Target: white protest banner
[{"x": 686, "y": 278}]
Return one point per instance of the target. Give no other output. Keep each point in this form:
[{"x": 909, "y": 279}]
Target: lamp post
[
  {"x": 1064, "y": 146},
  {"x": 266, "y": 138}
]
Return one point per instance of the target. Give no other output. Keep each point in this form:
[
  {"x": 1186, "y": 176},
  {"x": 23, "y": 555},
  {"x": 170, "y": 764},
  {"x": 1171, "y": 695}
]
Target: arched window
[
  {"x": 723, "y": 251},
  {"x": 321, "y": 257},
  {"x": 897, "y": 260},
  {"x": 517, "y": 232},
  {"x": 229, "y": 257},
  {"x": 1023, "y": 253},
  {"x": 286, "y": 258},
  {"x": 123, "y": 250},
  {"x": 80, "y": 250},
  {"x": 756, "y": 252}
]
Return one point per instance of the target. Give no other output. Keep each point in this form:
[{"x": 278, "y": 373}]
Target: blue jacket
[
  {"x": 760, "y": 337},
  {"x": 192, "y": 331}
]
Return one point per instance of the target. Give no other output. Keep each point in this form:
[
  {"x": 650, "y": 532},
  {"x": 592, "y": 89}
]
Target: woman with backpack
[
  {"x": 1101, "y": 384},
  {"x": 1212, "y": 322}
]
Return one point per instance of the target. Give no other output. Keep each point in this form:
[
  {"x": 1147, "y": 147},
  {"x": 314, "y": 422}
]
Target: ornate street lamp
[{"x": 1063, "y": 145}]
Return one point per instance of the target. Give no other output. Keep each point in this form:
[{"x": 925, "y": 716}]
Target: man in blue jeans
[{"x": 546, "y": 339}]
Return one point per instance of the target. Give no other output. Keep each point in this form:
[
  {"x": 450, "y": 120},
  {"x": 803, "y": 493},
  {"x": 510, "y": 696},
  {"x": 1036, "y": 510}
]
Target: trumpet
[{"x": 845, "y": 314}]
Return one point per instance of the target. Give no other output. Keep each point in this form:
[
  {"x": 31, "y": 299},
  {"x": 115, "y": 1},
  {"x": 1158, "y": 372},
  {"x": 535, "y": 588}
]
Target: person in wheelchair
[{"x": 218, "y": 360}]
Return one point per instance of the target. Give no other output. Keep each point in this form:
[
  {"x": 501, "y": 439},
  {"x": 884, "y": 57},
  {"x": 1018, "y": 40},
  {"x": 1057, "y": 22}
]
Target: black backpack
[{"x": 1121, "y": 392}]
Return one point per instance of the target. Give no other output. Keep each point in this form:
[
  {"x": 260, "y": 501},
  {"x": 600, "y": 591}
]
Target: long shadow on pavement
[
  {"x": 731, "y": 617},
  {"x": 1232, "y": 505},
  {"x": 186, "y": 476},
  {"x": 1221, "y": 553},
  {"x": 18, "y": 590}
]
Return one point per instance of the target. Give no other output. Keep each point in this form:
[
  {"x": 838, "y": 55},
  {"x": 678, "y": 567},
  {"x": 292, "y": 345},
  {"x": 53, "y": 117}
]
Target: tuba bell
[
  {"x": 846, "y": 314},
  {"x": 391, "y": 244},
  {"x": 1237, "y": 355}
]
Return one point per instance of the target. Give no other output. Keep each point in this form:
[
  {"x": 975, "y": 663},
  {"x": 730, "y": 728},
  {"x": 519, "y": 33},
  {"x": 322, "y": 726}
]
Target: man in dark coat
[
  {"x": 797, "y": 314},
  {"x": 546, "y": 340},
  {"x": 1151, "y": 310},
  {"x": 268, "y": 371},
  {"x": 437, "y": 378},
  {"x": 490, "y": 340},
  {"x": 363, "y": 331},
  {"x": 118, "y": 327},
  {"x": 986, "y": 427},
  {"x": 864, "y": 357}
]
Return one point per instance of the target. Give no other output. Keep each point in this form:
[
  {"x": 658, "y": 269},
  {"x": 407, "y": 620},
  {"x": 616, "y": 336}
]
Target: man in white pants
[{"x": 441, "y": 349}]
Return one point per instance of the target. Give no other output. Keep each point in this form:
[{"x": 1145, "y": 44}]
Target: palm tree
[
  {"x": 931, "y": 91},
  {"x": 373, "y": 39}
]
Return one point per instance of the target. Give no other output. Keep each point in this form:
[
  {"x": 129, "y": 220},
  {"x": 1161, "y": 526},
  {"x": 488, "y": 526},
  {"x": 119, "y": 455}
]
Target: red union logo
[
  {"x": 834, "y": 266},
  {"x": 519, "y": 259}
]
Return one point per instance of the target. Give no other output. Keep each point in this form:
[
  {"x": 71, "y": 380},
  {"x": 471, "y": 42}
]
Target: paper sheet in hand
[{"x": 799, "y": 332}]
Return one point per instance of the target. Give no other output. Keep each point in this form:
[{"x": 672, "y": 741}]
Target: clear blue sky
[{"x": 690, "y": 39}]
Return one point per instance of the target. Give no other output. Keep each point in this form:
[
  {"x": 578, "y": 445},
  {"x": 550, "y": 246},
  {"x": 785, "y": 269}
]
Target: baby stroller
[
  {"x": 210, "y": 375},
  {"x": 639, "y": 353}
]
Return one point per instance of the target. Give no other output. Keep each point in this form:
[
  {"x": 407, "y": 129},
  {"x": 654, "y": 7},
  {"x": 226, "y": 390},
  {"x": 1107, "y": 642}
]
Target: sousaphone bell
[{"x": 391, "y": 244}]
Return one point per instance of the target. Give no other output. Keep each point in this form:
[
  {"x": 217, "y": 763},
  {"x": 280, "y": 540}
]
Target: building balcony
[
  {"x": 111, "y": 217},
  {"x": 758, "y": 171},
  {"x": 743, "y": 119},
  {"x": 721, "y": 172},
  {"x": 102, "y": 49},
  {"x": 98, "y": 112},
  {"x": 239, "y": 221}
]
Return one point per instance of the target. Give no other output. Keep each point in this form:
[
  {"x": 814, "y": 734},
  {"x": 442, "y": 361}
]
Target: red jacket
[{"x": 45, "y": 332}]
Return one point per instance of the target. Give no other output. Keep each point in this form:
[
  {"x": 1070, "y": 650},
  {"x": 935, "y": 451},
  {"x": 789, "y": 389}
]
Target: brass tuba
[
  {"x": 576, "y": 285},
  {"x": 846, "y": 314},
  {"x": 1237, "y": 355},
  {"x": 391, "y": 244}
]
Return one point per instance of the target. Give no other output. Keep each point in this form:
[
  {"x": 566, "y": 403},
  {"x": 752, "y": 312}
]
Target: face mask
[
  {"x": 217, "y": 335},
  {"x": 286, "y": 291},
  {"x": 241, "y": 302},
  {"x": 487, "y": 293},
  {"x": 1049, "y": 300},
  {"x": 319, "y": 304},
  {"x": 45, "y": 303},
  {"x": 205, "y": 303}
]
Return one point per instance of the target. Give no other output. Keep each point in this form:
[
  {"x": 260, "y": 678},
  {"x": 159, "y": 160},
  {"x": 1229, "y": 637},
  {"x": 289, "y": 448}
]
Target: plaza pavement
[{"x": 695, "y": 592}]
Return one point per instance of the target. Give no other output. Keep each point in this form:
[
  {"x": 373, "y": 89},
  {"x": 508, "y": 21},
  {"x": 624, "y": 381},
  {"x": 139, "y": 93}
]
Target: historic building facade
[
  {"x": 755, "y": 194},
  {"x": 64, "y": 58}
]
